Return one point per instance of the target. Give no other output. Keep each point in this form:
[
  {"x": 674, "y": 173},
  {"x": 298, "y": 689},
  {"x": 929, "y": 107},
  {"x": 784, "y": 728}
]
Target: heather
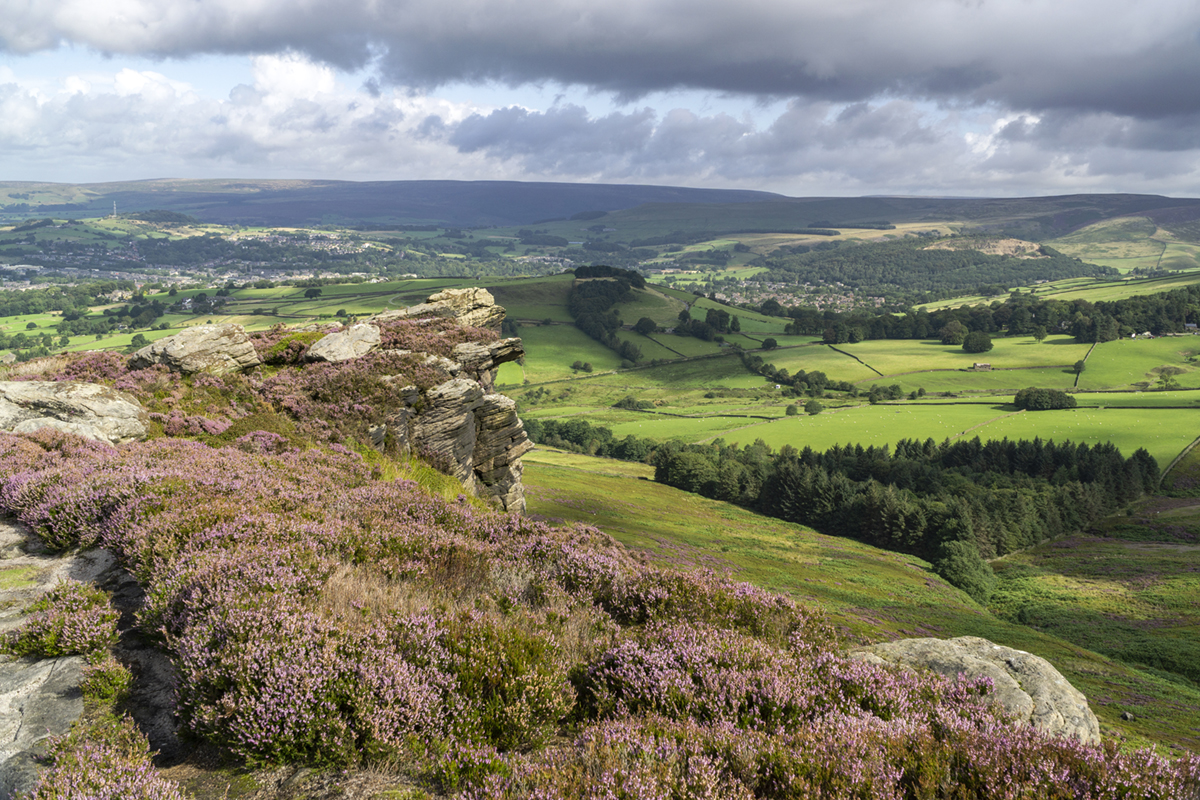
[
  {"x": 319, "y": 610},
  {"x": 113, "y": 762},
  {"x": 71, "y": 618}
]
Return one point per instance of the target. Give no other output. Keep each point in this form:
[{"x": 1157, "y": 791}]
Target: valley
[{"x": 860, "y": 362}]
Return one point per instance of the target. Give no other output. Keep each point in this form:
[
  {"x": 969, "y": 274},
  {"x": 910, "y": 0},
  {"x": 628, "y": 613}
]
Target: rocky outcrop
[
  {"x": 474, "y": 307},
  {"x": 483, "y": 359},
  {"x": 354, "y": 342},
  {"x": 216, "y": 349},
  {"x": 1028, "y": 687},
  {"x": 461, "y": 426},
  {"x": 87, "y": 409},
  {"x": 476, "y": 437}
]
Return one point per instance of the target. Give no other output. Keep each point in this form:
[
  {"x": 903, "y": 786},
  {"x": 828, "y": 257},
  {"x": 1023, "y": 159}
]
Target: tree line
[
  {"x": 954, "y": 503},
  {"x": 590, "y": 303},
  {"x": 1019, "y": 315},
  {"x": 907, "y": 267}
]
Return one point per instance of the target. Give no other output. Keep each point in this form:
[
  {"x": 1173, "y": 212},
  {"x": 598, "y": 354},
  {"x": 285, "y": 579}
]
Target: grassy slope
[{"x": 871, "y": 594}]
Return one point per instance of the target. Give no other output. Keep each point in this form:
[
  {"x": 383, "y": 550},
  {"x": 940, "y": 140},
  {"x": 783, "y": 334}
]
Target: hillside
[{"x": 339, "y": 614}]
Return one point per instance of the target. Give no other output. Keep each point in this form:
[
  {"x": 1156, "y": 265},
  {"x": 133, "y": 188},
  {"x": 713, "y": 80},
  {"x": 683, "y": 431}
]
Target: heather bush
[
  {"x": 105, "y": 680},
  {"x": 281, "y": 345},
  {"x": 514, "y": 684},
  {"x": 435, "y": 335},
  {"x": 106, "y": 760},
  {"x": 71, "y": 618}
]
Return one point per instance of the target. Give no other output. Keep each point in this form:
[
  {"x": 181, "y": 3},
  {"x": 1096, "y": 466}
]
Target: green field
[
  {"x": 1131, "y": 363},
  {"x": 1003, "y": 382},
  {"x": 869, "y": 594},
  {"x": 898, "y": 356}
]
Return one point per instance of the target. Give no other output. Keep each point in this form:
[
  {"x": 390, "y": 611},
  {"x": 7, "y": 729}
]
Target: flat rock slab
[
  {"x": 216, "y": 349},
  {"x": 1028, "y": 687},
  {"x": 87, "y": 409},
  {"x": 354, "y": 342}
]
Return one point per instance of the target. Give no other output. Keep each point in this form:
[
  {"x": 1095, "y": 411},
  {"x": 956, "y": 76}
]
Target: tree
[
  {"x": 953, "y": 332},
  {"x": 977, "y": 342},
  {"x": 813, "y": 407},
  {"x": 313, "y": 293},
  {"x": 959, "y": 563},
  {"x": 1079, "y": 365},
  {"x": 792, "y": 410},
  {"x": 645, "y": 326},
  {"x": 769, "y": 344},
  {"x": 1040, "y": 333}
]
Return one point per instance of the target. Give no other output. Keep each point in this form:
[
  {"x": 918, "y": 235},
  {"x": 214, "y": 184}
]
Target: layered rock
[
  {"x": 476, "y": 437},
  {"x": 460, "y": 425},
  {"x": 215, "y": 349},
  {"x": 1028, "y": 687},
  {"x": 472, "y": 307},
  {"x": 87, "y": 409}
]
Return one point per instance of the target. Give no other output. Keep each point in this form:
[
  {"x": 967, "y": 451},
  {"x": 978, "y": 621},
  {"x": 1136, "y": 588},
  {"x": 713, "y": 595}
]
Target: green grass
[
  {"x": 897, "y": 356},
  {"x": 871, "y": 425},
  {"x": 534, "y": 298},
  {"x": 653, "y": 303},
  {"x": 869, "y": 594},
  {"x": 1163, "y": 432},
  {"x": 551, "y": 349},
  {"x": 994, "y": 382},
  {"x": 818, "y": 357},
  {"x": 1127, "y": 363}
]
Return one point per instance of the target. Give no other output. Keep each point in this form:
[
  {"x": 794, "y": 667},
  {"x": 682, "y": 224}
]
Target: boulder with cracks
[
  {"x": 87, "y": 409},
  {"x": 1028, "y": 687},
  {"x": 215, "y": 349}
]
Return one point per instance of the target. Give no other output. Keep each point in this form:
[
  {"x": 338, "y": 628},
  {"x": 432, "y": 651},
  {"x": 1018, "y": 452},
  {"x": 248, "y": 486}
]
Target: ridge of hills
[{"x": 506, "y": 203}]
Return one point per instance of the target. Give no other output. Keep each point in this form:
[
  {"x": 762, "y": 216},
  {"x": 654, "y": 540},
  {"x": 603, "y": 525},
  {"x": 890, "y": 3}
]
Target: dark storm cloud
[
  {"x": 861, "y": 140},
  {"x": 1130, "y": 59}
]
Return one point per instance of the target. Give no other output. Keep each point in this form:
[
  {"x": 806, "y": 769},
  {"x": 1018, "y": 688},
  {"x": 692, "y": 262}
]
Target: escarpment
[{"x": 416, "y": 382}]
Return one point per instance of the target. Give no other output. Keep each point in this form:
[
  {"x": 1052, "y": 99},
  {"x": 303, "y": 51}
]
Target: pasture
[
  {"x": 1138, "y": 363},
  {"x": 898, "y": 356}
]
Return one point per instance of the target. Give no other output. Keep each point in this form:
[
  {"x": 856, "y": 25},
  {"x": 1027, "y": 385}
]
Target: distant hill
[
  {"x": 282, "y": 203},
  {"x": 636, "y": 211}
]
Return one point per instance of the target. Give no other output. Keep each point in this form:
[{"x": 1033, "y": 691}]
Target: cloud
[
  {"x": 296, "y": 117},
  {"x": 293, "y": 120},
  {"x": 895, "y": 146},
  {"x": 1131, "y": 59}
]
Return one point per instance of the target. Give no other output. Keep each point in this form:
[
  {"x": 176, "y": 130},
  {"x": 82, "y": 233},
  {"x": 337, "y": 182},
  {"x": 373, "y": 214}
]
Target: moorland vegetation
[{"x": 322, "y": 607}]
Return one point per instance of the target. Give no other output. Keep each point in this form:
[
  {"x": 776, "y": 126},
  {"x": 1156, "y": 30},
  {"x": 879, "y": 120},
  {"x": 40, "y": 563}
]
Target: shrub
[
  {"x": 1034, "y": 399},
  {"x": 71, "y": 618},
  {"x": 109, "y": 759},
  {"x": 106, "y": 680}
]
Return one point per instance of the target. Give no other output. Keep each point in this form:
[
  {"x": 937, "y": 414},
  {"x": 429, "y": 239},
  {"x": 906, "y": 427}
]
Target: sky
[{"x": 802, "y": 97}]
